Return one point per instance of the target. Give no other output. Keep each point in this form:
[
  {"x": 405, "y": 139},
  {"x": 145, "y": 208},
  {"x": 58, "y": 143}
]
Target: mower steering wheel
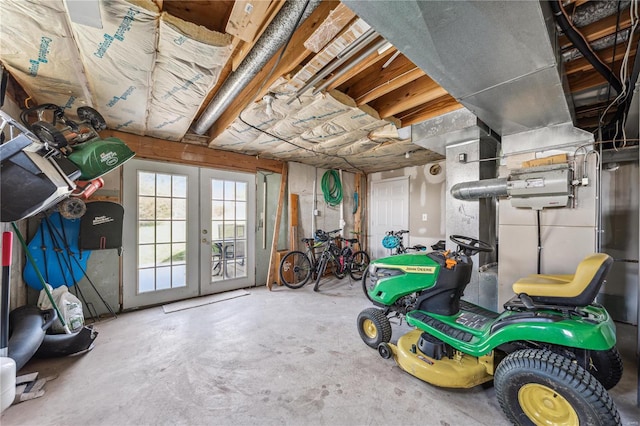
[{"x": 470, "y": 245}]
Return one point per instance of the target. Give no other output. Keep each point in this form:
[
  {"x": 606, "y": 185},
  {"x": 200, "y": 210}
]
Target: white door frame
[
  {"x": 131, "y": 297},
  {"x": 389, "y": 210},
  {"x": 247, "y": 264}
]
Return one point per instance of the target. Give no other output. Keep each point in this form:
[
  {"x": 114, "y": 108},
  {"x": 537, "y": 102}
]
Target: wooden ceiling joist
[
  {"x": 418, "y": 92},
  {"x": 366, "y": 63},
  {"x": 592, "y": 78},
  {"x": 581, "y": 64},
  {"x": 442, "y": 105},
  {"x": 381, "y": 81},
  {"x": 599, "y": 29},
  {"x": 293, "y": 56}
]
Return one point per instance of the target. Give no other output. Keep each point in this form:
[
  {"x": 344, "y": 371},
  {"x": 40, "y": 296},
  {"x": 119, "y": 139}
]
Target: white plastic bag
[{"x": 69, "y": 306}]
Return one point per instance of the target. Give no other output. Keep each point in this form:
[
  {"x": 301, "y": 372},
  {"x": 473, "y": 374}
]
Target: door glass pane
[
  {"x": 228, "y": 229},
  {"x": 162, "y": 231}
]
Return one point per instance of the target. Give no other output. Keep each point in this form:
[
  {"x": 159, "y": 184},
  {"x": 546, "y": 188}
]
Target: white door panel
[
  {"x": 160, "y": 233},
  {"x": 390, "y": 211}
]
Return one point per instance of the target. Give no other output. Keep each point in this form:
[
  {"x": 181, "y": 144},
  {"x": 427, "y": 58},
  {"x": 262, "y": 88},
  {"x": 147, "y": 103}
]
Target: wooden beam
[
  {"x": 384, "y": 80},
  {"x": 440, "y": 106},
  {"x": 590, "y": 79},
  {"x": 211, "y": 14},
  {"x": 418, "y": 92},
  {"x": 245, "y": 47},
  {"x": 294, "y": 55},
  {"x": 246, "y": 18},
  {"x": 276, "y": 229},
  {"x": 339, "y": 18},
  {"x": 581, "y": 64},
  {"x": 182, "y": 153},
  {"x": 598, "y": 29},
  {"x": 367, "y": 62}
]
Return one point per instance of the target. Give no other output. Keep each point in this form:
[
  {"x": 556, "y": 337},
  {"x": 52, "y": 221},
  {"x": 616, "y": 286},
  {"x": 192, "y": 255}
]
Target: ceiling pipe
[
  {"x": 351, "y": 65},
  {"x": 273, "y": 38},
  {"x": 343, "y": 57}
]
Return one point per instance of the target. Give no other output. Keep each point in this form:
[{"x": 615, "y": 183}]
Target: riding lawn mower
[{"x": 550, "y": 354}]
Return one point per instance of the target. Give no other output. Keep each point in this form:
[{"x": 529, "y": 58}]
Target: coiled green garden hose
[{"x": 331, "y": 187}]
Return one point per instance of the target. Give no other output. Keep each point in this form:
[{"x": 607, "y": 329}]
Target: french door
[
  {"x": 227, "y": 233},
  {"x": 188, "y": 231}
]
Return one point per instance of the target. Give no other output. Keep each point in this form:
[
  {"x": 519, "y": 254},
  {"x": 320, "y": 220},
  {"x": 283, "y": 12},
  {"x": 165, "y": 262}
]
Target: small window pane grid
[
  {"x": 228, "y": 229},
  {"x": 162, "y": 231}
]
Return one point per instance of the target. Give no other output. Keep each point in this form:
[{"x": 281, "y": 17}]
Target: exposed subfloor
[{"x": 281, "y": 357}]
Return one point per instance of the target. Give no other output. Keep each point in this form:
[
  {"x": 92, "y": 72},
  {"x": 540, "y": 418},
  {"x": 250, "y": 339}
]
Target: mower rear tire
[
  {"x": 606, "y": 366},
  {"x": 374, "y": 327},
  {"x": 537, "y": 386}
]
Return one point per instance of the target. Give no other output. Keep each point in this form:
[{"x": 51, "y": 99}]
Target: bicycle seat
[
  {"x": 350, "y": 241},
  {"x": 308, "y": 240},
  {"x": 579, "y": 289}
]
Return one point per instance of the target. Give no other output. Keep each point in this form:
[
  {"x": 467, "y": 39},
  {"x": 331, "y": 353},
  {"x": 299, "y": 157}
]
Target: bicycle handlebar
[{"x": 403, "y": 231}]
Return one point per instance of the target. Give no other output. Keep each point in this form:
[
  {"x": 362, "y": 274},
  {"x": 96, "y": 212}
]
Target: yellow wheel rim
[
  {"x": 544, "y": 406},
  {"x": 370, "y": 329}
]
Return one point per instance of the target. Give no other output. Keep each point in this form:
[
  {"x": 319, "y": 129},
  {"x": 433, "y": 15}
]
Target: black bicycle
[
  {"x": 353, "y": 262},
  {"x": 297, "y": 267}
]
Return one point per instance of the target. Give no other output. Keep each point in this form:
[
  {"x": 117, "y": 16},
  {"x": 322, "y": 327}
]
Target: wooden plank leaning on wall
[{"x": 271, "y": 275}]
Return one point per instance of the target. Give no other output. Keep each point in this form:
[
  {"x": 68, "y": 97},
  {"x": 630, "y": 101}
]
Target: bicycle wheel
[
  {"x": 359, "y": 263},
  {"x": 340, "y": 271},
  {"x": 295, "y": 269},
  {"x": 367, "y": 284}
]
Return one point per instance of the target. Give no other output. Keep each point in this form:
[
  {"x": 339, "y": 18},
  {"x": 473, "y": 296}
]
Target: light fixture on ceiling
[{"x": 268, "y": 100}]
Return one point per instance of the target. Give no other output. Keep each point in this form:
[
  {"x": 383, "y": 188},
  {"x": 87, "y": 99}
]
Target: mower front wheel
[
  {"x": 374, "y": 327},
  {"x": 536, "y": 386},
  {"x": 385, "y": 350}
]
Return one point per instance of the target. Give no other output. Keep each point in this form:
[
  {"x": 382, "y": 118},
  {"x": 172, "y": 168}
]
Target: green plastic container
[{"x": 99, "y": 156}]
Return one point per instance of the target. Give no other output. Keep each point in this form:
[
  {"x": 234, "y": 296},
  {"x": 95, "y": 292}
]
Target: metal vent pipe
[
  {"x": 485, "y": 188},
  {"x": 273, "y": 38}
]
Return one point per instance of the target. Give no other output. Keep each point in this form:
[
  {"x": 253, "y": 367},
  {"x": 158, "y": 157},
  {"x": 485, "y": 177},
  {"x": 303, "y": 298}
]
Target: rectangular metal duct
[
  {"x": 452, "y": 128},
  {"x": 497, "y": 58}
]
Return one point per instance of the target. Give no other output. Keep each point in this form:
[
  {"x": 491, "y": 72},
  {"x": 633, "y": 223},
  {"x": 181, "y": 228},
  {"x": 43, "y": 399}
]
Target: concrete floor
[{"x": 281, "y": 357}]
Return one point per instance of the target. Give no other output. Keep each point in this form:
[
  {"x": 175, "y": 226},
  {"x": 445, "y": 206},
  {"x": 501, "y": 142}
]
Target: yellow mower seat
[{"x": 579, "y": 289}]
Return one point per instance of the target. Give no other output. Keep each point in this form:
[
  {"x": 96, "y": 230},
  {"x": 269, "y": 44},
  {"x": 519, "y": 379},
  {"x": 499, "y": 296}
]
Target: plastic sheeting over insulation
[{"x": 159, "y": 93}]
